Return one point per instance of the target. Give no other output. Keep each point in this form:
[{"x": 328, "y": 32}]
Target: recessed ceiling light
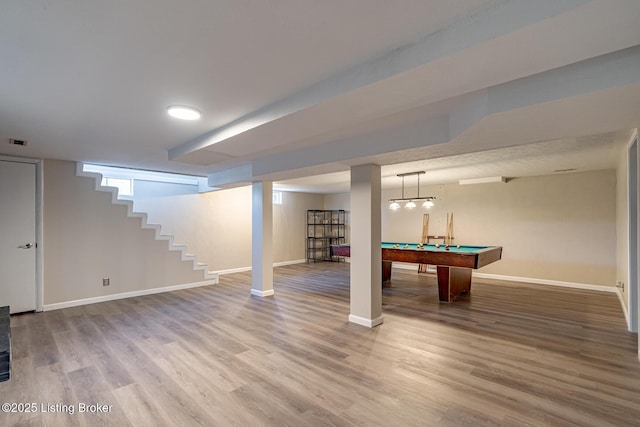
[{"x": 183, "y": 112}]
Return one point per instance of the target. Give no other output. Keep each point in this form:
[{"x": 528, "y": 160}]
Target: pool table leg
[
  {"x": 453, "y": 281},
  {"x": 386, "y": 271}
]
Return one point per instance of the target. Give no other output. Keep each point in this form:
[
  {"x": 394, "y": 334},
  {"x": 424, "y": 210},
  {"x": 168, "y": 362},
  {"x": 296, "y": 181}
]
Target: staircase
[{"x": 172, "y": 246}]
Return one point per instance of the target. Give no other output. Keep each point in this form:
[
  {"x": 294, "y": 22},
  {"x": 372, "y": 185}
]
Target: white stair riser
[{"x": 143, "y": 216}]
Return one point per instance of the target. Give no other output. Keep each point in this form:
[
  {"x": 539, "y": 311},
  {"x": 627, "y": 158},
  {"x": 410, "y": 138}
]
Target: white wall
[
  {"x": 289, "y": 225},
  {"x": 216, "y": 226},
  {"x": 340, "y": 201},
  {"x": 556, "y": 227},
  {"x": 86, "y": 239},
  {"x": 625, "y": 271},
  {"x": 622, "y": 228},
  {"x": 564, "y": 227}
]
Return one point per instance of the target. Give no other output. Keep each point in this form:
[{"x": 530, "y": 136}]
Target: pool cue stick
[
  {"x": 451, "y": 236},
  {"x": 422, "y": 268},
  {"x": 425, "y": 229},
  {"x": 446, "y": 233}
]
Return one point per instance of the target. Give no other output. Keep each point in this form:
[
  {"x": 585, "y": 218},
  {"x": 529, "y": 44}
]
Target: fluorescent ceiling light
[
  {"x": 483, "y": 180},
  {"x": 183, "y": 112}
]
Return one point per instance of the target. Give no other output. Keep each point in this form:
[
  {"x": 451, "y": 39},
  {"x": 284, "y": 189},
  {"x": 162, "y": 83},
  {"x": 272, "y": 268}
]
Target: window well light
[{"x": 183, "y": 112}]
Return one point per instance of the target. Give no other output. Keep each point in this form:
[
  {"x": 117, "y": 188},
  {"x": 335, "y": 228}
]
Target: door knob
[{"x": 27, "y": 246}]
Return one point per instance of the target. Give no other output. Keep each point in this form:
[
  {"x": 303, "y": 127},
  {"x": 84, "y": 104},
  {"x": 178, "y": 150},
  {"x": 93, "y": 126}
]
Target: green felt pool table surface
[
  {"x": 433, "y": 247},
  {"x": 468, "y": 256},
  {"x": 454, "y": 264}
]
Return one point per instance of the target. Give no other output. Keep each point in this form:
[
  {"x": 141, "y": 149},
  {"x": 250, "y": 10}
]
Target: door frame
[
  {"x": 633, "y": 247},
  {"x": 39, "y": 224}
]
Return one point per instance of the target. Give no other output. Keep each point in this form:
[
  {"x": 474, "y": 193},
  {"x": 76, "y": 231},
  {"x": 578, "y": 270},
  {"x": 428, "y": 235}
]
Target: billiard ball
[
  {"x": 437, "y": 245},
  {"x": 458, "y": 246}
]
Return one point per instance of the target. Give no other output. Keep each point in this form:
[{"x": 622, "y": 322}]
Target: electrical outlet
[{"x": 106, "y": 281}]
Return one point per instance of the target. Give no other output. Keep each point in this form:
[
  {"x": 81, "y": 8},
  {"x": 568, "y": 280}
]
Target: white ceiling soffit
[
  {"x": 496, "y": 45},
  {"x": 571, "y": 155},
  {"x": 290, "y": 89},
  {"x": 443, "y": 64},
  {"x": 568, "y": 101}
]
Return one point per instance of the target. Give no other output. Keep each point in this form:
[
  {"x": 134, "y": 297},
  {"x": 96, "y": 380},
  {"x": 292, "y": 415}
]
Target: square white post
[
  {"x": 262, "y": 239},
  {"x": 366, "y": 251}
]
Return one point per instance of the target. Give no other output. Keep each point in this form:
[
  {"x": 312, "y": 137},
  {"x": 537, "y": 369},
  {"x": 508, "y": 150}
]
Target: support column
[
  {"x": 366, "y": 251},
  {"x": 262, "y": 239}
]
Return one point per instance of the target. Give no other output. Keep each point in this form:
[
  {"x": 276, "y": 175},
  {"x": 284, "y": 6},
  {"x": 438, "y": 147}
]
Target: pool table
[{"x": 453, "y": 264}]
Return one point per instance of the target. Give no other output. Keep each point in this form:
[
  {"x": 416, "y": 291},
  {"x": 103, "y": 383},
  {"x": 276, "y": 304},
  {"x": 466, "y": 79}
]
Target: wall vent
[{"x": 21, "y": 142}]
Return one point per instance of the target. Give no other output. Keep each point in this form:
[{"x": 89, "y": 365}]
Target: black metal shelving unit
[{"x": 324, "y": 228}]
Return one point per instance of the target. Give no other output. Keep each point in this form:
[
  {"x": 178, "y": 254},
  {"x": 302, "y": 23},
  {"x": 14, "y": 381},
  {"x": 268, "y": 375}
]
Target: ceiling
[{"x": 298, "y": 91}]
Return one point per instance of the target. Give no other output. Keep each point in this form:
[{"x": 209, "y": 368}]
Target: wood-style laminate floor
[{"x": 508, "y": 354}]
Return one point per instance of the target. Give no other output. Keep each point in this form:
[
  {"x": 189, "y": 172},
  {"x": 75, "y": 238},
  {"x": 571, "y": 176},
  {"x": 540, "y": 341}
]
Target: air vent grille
[{"x": 20, "y": 142}]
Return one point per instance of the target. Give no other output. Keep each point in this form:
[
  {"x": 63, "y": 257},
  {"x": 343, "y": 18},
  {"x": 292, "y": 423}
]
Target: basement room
[{"x": 408, "y": 213}]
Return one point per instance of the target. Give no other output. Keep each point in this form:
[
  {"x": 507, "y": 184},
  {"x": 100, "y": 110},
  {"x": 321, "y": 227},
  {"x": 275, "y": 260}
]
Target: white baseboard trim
[
  {"x": 275, "y": 264},
  {"x": 112, "y": 297},
  {"x": 405, "y": 266},
  {"x": 412, "y": 266},
  {"x": 547, "y": 282},
  {"x": 369, "y": 323},
  {"x": 624, "y": 310},
  {"x": 295, "y": 261},
  {"x": 259, "y": 293},
  {"x": 233, "y": 270},
  {"x": 586, "y": 286}
]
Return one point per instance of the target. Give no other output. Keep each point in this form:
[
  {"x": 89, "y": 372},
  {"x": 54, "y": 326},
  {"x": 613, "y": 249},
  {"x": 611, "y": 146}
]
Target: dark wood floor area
[{"x": 508, "y": 354}]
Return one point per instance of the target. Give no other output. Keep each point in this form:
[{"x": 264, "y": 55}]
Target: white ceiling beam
[
  {"x": 600, "y": 73},
  {"x": 429, "y": 132},
  {"x": 609, "y": 72},
  {"x": 238, "y": 176},
  {"x": 491, "y": 23}
]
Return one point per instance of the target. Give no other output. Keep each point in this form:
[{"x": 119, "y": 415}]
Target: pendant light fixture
[{"x": 428, "y": 200}]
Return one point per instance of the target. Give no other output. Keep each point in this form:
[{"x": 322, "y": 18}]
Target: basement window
[
  {"x": 124, "y": 185},
  {"x": 277, "y": 197}
]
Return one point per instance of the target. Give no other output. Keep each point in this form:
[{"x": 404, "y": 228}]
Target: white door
[{"x": 18, "y": 236}]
